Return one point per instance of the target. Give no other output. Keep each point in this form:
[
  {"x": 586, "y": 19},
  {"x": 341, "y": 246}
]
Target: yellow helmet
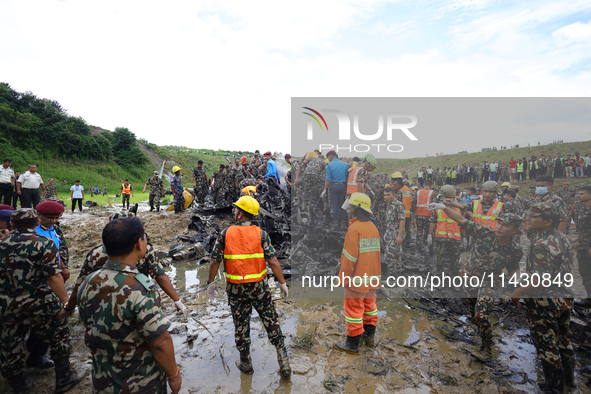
[
  {"x": 249, "y": 190},
  {"x": 309, "y": 155},
  {"x": 506, "y": 184},
  {"x": 248, "y": 204},
  {"x": 176, "y": 168},
  {"x": 358, "y": 200},
  {"x": 396, "y": 175}
]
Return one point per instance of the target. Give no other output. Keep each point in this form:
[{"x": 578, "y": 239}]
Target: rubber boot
[
  {"x": 485, "y": 353},
  {"x": 245, "y": 364},
  {"x": 568, "y": 366},
  {"x": 151, "y": 209},
  {"x": 283, "y": 360},
  {"x": 158, "y": 209},
  {"x": 20, "y": 384},
  {"x": 64, "y": 377},
  {"x": 351, "y": 346},
  {"x": 554, "y": 380},
  {"x": 369, "y": 335},
  {"x": 39, "y": 362}
]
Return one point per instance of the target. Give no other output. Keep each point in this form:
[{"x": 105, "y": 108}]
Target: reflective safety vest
[
  {"x": 490, "y": 219},
  {"x": 126, "y": 189},
  {"x": 406, "y": 199},
  {"x": 519, "y": 167},
  {"x": 360, "y": 259},
  {"x": 424, "y": 197},
  {"x": 420, "y": 174},
  {"x": 352, "y": 181},
  {"x": 244, "y": 255},
  {"x": 446, "y": 227}
]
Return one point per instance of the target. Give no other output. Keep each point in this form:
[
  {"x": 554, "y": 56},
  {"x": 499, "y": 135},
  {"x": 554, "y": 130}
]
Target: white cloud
[{"x": 574, "y": 32}]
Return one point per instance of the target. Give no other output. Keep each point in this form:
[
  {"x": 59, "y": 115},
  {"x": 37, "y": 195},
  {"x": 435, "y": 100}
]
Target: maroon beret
[
  {"x": 268, "y": 153},
  {"x": 4, "y": 207},
  {"x": 50, "y": 208},
  {"x": 332, "y": 152}
]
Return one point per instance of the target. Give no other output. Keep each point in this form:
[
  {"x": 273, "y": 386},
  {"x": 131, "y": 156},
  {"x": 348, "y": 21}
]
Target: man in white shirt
[
  {"x": 27, "y": 187},
  {"x": 6, "y": 182}
]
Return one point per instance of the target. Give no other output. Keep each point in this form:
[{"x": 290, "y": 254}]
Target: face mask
[{"x": 541, "y": 190}]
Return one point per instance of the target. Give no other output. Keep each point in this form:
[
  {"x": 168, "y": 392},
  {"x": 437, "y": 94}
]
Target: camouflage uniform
[
  {"x": 504, "y": 172},
  {"x": 230, "y": 188},
  {"x": 27, "y": 303},
  {"x": 201, "y": 184},
  {"x": 120, "y": 308},
  {"x": 568, "y": 196},
  {"x": 296, "y": 165},
  {"x": 179, "y": 200},
  {"x": 239, "y": 176},
  {"x": 63, "y": 248},
  {"x": 479, "y": 174},
  {"x": 313, "y": 180},
  {"x": 584, "y": 245},
  {"x": 148, "y": 265},
  {"x": 445, "y": 247},
  {"x": 487, "y": 256},
  {"x": 50, "y": 192},
  {"x": 513, "y": 206},
  {"x": 247, "y": 182},
  {"x": 549, "y": 317},
  {"x": 528, "y": 202},
  {"x": 254, "y": 171},
  {"x": 378, "y": 205},
  {"x": 156, "y": 186},
  {"x": 218, "y": 178},
  {"x": 242, "y": 297},
  {"x": 553, "y": 199},
  {"x": 394, "y": 214}
]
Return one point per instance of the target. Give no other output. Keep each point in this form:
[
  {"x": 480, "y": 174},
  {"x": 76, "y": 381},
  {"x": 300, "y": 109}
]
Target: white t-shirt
[
  {"x": 429, "y": 171},
  {"x": 77, "y": 191}
]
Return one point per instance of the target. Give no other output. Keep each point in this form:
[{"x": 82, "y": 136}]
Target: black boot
[
  {"x": 283, "y": 360},
  {"x": 39, "y": 362},
  {"x": 351, "y": 346},
  {"x": 554, "y": 380},
  {"x": 151, "y": 209},
  {"x": 20, "y": 384},
  {"x": 64, "y": 377},
  {"x": 158, "y": 209},
  {"x": 369, "y": 335},
  {"x": 568, "y": 366},
  {"x": 245, "y": 364}
]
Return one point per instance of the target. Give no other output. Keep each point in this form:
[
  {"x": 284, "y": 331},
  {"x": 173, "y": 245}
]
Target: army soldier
[
  {"x": 531, "y": 199},
  {"x": 447, "y": 233},
  {"x": 360, "y": 262},
  {"x": 486, "y": 211},
  {"x": 201, "y": 182},
  {"x": 549, "y": 307},
  {"x": 32, "y": 293},
  {"x": 544, "y": 186},
  {"x": 148, "y": 265},
  {"x": 50, "y": 190},
  {"x": 218, "y": 178},
  {"x": 493, "y": 251},
  {"x": 126, "y": 331},
  {"x": 156, "y": 191},
  {"x": 313, "y": 180},
  {"x": 583, "y": 244},
  {"x": 394, "y": 235},
  {"x": 511, "y": 203},
  {"x": 177, "y": 190},
  {"x": 244, "y": 248}
]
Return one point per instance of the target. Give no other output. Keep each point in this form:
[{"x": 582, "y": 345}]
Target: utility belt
[
  {"x": 31, "y": 188},
  {"x": 7, "y": 183}
]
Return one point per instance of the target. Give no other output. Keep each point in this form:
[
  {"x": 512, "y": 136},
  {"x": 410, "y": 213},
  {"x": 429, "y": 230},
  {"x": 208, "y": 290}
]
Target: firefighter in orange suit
[
  {"x": 244, "y": 248},
  {"x": 360, "y": 274}
]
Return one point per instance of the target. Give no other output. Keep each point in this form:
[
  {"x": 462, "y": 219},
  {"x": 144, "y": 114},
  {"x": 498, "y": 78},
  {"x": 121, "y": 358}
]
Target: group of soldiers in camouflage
[{"x": 33, "y": 301}]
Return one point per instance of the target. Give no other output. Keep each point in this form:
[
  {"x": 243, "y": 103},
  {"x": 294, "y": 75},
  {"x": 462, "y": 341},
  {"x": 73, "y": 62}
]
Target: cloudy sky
[{"x": 221, "y": 74}]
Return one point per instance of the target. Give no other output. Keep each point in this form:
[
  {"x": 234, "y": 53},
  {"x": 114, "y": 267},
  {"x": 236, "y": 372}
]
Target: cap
[
  {"x": 4, "y": 207},
  {"x": 156, "y": 173},
  {"x": 120, "y": 215},
  {"x": 23, "y": 214},
  {"x": 546, "y": 208},
  {"x": 50, "y": 179},
  {"x": 511, "y": 218},
  {"x": 50, "y": 208}
]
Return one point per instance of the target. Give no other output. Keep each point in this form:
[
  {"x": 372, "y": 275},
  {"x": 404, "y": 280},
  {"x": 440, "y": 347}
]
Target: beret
[
  {"x": 23, "y": 214},
  {"x": 332, "y": 152},
  {"x": 5, "y": 215},
  {"x": 50, "y": 208},
  {"x": 268, "y": 153},
  {"x": 6, "y": 207}
]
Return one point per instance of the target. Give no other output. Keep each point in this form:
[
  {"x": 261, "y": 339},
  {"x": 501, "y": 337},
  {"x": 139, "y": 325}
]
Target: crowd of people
[{"x": 379, "y": 212}]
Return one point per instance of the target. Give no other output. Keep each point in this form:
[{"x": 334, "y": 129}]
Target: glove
[
  {"x": 181, "y": 307},
  {"x": 433, "y": 206},
  {"x": 212, "y": 290},
  {"x": 429, "y": 239},
  {"x": 323, "y": 193},
  {"x": 465, "y": 242},
  {"x": 284, "y": 290}
]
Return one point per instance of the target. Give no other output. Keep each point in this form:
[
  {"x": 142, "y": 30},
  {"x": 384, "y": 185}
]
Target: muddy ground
[{"x": 423, "y": 347}]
